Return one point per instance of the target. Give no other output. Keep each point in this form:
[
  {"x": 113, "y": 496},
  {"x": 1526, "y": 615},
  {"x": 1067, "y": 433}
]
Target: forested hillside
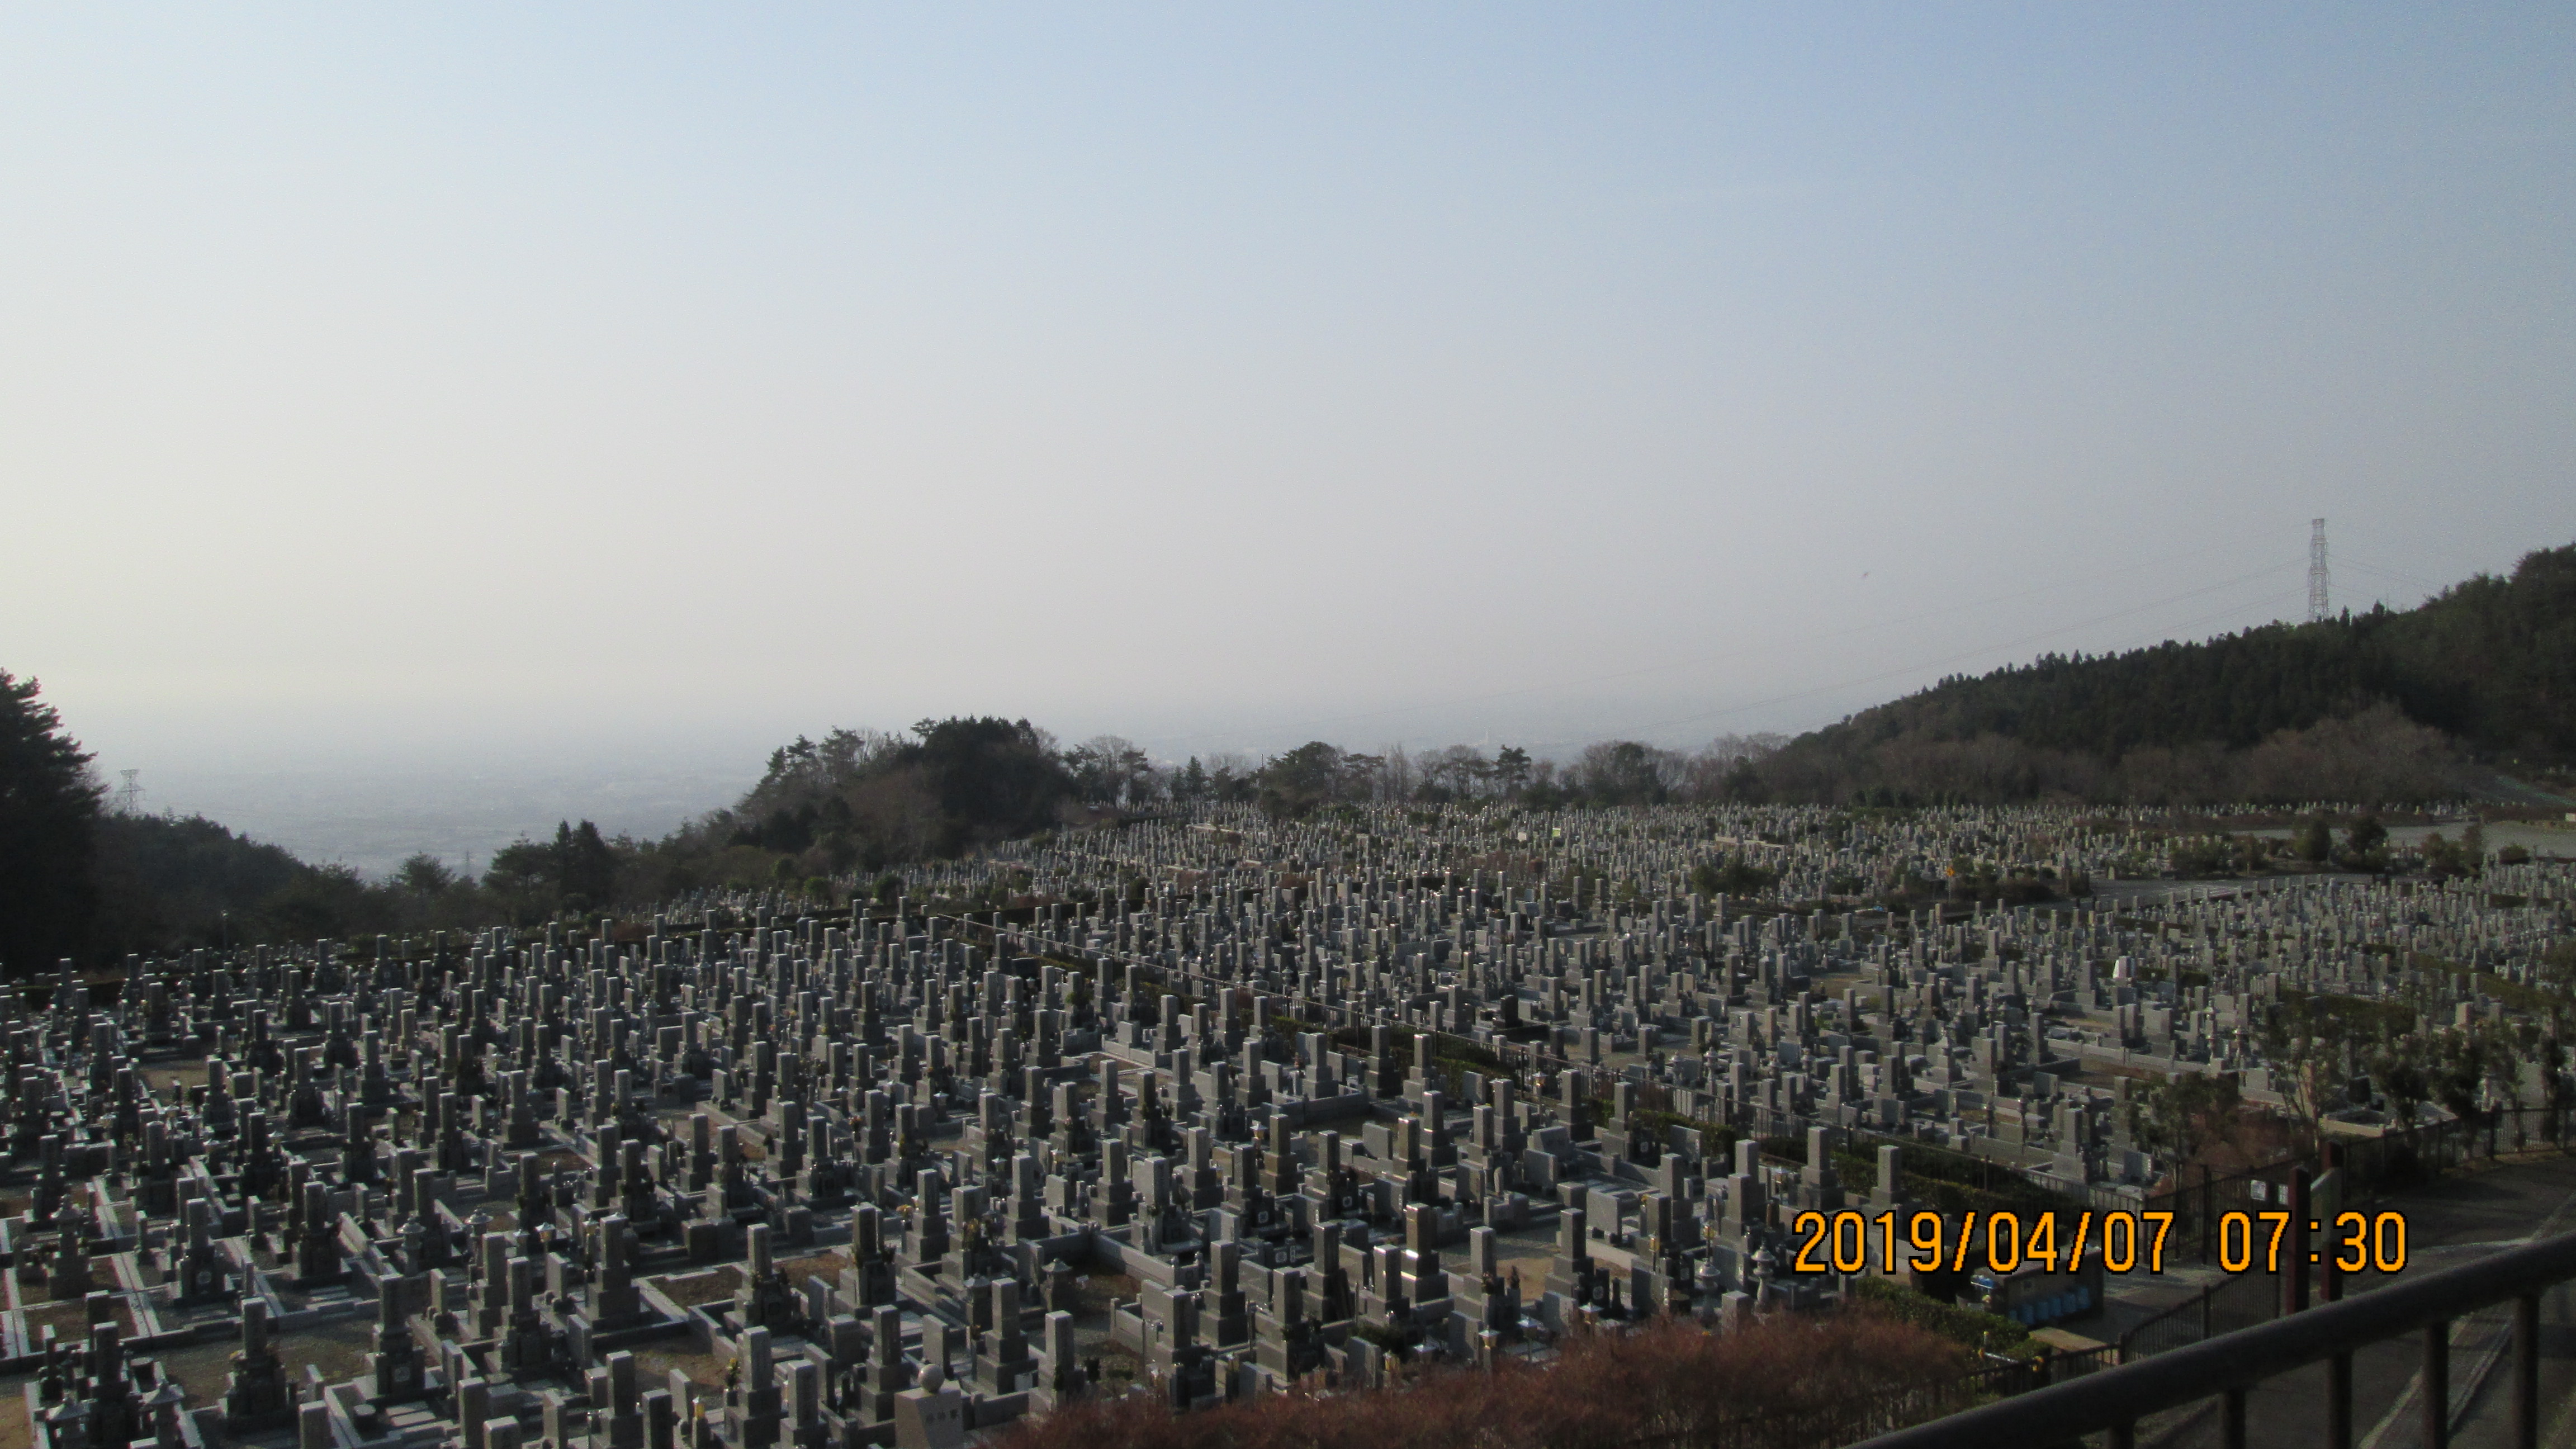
[
  {"x": 2386, "y": 704},
  {"x": 85, "y": 883}
]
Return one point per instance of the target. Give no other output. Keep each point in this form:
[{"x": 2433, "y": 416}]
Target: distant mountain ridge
[{"x": 2386, "y": 704}]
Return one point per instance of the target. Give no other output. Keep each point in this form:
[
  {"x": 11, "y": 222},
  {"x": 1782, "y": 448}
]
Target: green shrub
[{"x": 1974, "y": 1327}]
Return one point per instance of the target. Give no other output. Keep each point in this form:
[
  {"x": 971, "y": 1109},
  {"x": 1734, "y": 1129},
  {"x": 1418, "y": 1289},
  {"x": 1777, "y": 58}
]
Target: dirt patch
[
  {"x": 102, "y": 1275},
  {"x": 171, "y": 1083},
  {"x": 654, "y": 1363},
  {"x": 826, "y": 1266},
  {"x": 1532, "y": 1250},
  {"x": 15, "y": 1431},
  {"x": 203, "y": 1369},
  {"x": 68, "y": 1318},
  {"x": 1103, "y": 1289},
  {"x": 339, "y": 1349},
  {"x": 713, "y": 1286}
]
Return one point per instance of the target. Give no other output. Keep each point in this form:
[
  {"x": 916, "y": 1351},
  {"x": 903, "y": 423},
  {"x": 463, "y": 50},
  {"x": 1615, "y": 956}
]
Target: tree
[
  {"x": 524, "y": 874},
  {"x": 992, "y": 778},
  {"x": 1310, "y": 775},
  {"x": 424, "y": 874},
  {"x": 1727, "y": 767},
  {"x": 2376, "y": 706},
  {"x": 167, "y": 883},
  {"x": 2306, "y": 1071},
  {"x": 325, "y": 900},
  {"x": 2457, "y": 1069},
  {"x": 1455, "y": 772},
  {"x": 2444, "y": 860},
  {"x": 1511, "y": 769},
  {"x": 586, "y": 867},
  {"x": 1626, "y": 772},
  {"x": 2181, "y": 1114},
  {"x": 1395, "y": 775},
  {"x": 2397, "y": 1069},
  {"x": 1110, "y": 770},
  {"x": 1233, "y": 781},
  {"x": 577, "y": 870},
  {"x": 49, "y": 810},
  {"x": 2558, "y": 966},
  {"x": 2316, "y": 841},
  {"x": 2365, "y": 844},
  {"x": 1730, "y": 876}
]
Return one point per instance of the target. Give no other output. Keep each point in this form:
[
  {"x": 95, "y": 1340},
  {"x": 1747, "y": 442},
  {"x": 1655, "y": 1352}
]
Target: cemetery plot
[{"x": 1194, "y": 1107}]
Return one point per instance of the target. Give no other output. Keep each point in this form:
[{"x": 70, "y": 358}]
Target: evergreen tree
[
  {"x": 49, "y": 809},
  {"x": 586, "y": 866}
]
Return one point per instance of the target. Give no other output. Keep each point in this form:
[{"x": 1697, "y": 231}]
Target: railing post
[
  {"x": 2294, "y": 1285},
  {"x": 2231, "y": 1420},
  {"x": 2437, "y": 1384},
  {"x": 2339, "y": 1401},
  {"x": 2338, "y": 1178},
  {"x": 2208, "y": 1219},
  {"x": 2526, "y": 1371}
]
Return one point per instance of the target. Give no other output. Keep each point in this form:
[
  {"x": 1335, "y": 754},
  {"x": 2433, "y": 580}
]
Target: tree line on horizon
[
  {"x": 2379, "y": 708},
  {"x": 2386, "y": 706},
  {"x": 93, "y": 884}
]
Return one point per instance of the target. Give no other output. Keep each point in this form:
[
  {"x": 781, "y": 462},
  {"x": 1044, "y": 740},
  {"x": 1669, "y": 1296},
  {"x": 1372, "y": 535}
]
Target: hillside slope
[{"x": 2383, "y": 705}]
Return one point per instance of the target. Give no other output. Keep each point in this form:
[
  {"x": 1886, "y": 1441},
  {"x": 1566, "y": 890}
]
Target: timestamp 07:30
[
  {"x": 2358, "y": 1241},
  {"x": 2121, "y": 1241}
]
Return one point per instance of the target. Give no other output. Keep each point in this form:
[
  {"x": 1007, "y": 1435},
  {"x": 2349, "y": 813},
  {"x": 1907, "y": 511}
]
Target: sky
[{"x": 510, "y": 394}]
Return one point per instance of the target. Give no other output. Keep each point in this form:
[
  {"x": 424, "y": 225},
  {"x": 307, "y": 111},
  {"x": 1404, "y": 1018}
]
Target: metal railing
[
  {"x": 2113, "y": 1400},
  {"x": 2368, "y": 1167},
  {"x": 2238, "y": 1301}
]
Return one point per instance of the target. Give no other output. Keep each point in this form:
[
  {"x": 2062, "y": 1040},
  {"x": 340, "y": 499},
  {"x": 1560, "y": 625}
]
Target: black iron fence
[
  {"x": 2368, "y": 1168},
  {"x": 2226, "y": 1366},
  {"x": 2238, "y": 1301}
]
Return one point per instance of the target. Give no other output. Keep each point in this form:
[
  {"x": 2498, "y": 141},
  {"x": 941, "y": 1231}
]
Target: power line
[
  {"x": 1974, "y": 653},
  {"x": 2091, "y": 579},
  {"x": 2398, "y": 575},
  {"x": 2418, "y": 542}
]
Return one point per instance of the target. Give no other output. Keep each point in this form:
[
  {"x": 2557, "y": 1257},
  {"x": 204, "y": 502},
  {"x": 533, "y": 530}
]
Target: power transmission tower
[
  {"x": 2317, "y": 604},
  {"x": 129, "y": 796}
]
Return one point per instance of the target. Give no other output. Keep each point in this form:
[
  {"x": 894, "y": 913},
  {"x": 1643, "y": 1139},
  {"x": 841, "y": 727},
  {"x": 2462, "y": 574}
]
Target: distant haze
[{"x": 419, "y": 424}]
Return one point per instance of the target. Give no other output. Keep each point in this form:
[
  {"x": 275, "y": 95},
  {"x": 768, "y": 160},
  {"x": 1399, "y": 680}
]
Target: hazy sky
[{"x": 530, "y": 386}]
